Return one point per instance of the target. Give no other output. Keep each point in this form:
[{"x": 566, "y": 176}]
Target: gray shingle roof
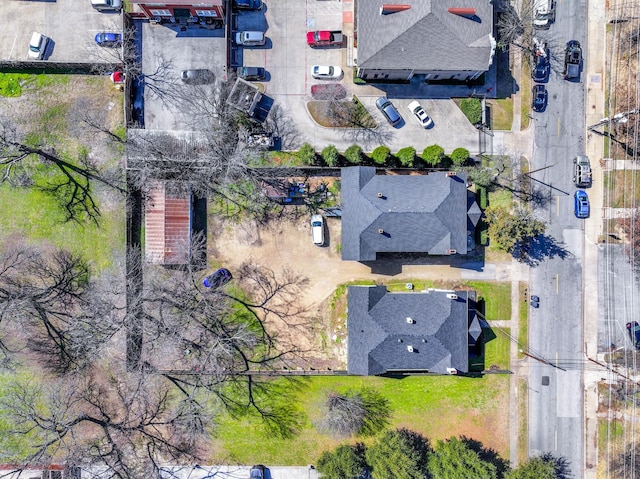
[
  {"x": 426, "y": 36},
  {"x": 379, "y": 334},
  {"x": 417, "y": 214}
]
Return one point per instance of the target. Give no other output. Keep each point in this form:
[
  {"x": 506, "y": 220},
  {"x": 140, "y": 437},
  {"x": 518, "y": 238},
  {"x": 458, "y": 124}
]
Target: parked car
[
  {"x": 257, "y": 472},
  {"x": 424, "y": 119},
  {"x": 37, "y": 46},
  {"x": 196, "y": 77},
  {"x": 325, "y": 38},
  {"x": 250, "y": 39},
  {"x": 328, "y": 91},
  {"x": 117, "y": 77},
  {"x": 107, "y": 5},
  {"x": 317, "y": 229},
  {"x": 581, "y": 171},
  {"x": 572, "y": 60},
  {"x": 252, "y": 73},
  {"x": 248, "y": 4},
  {"x": 109, "y": 39},
  {"x": 581, "y": 204},
  {"x": 539, "y": 98},
  {"x": 218, "y": 279},
  {"x": 324, "y": 72},
  {"x": 634, "y": 333},
  {"x": 541, "y": 70},
  {"x": 389, "y": 111}
]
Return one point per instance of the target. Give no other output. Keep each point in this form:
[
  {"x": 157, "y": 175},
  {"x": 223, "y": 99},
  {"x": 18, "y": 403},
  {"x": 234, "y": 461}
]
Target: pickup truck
[
  {"x": 324, "y": 38},
  {"x": 572, "y": 59}
]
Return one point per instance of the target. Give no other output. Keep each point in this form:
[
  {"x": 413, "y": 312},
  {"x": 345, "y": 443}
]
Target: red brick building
[{"x": 182, "y": 12}]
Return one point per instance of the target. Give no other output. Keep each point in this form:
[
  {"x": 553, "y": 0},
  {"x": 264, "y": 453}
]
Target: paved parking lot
[
  {"x": 288, "y": 60},
  {"x": 70, "y": 24},
  {"x": 165, "y": 53}
]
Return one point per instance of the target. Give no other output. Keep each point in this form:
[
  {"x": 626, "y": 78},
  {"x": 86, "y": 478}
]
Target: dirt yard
[{"x": 286, "y": 243}]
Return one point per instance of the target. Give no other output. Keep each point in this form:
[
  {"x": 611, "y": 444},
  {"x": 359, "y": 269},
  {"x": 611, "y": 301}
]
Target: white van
[
  {"x": 317, "y": 230},
  {"x": 249, "y": 39},
  {"x": 37, "y": 46},
  {"x": 543, "y": 13},
  {"x": 107, "y": 5}
]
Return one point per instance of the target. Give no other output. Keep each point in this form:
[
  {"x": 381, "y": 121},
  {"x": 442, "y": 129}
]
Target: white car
[
  {"x": 424, "y": 119},
  {"x": 324, "y": 72},
  {"x": 317, "y": 229},
  {"x": 37, "y": 46}
]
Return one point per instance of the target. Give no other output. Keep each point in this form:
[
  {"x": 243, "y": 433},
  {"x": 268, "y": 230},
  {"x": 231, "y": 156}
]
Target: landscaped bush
[
  {"x": 381, "y": 155},
  {"x": 484, "y": 237},
  {"x": 406, "y": 156},
  {"x": 306, "y": 154},
  {"x": 472, "y": 109},
  {"x": 356, "y": 79},
  {"x": 432, "y": 155},
  {"x": 354, "y": 154},
  {"x": 330, "y": 155},
  {"x": 459, "y": 156},
  {"x": 482, "y": 196}
]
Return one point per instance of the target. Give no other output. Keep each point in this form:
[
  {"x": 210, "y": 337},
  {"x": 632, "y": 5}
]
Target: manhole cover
[{"x": 545, "y": 380}]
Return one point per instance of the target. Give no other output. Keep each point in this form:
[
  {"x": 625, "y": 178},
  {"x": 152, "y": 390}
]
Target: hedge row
[{"x": 432, "y": 156}]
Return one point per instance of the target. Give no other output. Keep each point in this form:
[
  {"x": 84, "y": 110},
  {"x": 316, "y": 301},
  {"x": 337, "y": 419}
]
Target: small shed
[{"x": 167, "y": 223}]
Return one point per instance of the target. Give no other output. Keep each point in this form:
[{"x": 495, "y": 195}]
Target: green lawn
[
  {"x": 501, "y": 113},
  {"x": 497, "y": 298},
  {"x": 497, "y": 348},
  {"x": 437, "y": 406},
  {"x": 32, "y": 214}
]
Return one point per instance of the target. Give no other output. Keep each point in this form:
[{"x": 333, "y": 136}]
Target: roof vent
[
  {"x": 452, "y": 371},
  {"x": 410, "y": 321},
  {"x": 387, "y": 9},
  {"x": 400, "y": 340},
  {"x": 381, "y": 231},
  {"x": 410, "y": 348},
  {"x": 451, "y": 251},
  {"x": 463, "y": 12},
  {"x": 452, "y": 296},
  {"x": 451, "y": 173},
  {"x": 380, "y": 195}
]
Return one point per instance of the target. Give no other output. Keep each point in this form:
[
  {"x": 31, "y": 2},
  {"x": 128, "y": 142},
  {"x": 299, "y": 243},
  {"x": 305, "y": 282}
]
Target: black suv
[
  {"x": 572, "y": 60},
  {"x": 541, "y": 70}
]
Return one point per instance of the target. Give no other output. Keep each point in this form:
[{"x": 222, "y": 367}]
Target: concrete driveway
[
  {"x": 71, "y": 26},
  {"x": 288, "y": 60}
]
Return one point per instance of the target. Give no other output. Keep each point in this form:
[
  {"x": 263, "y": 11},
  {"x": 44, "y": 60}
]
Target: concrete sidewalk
[{"x": 595, "y": 68}]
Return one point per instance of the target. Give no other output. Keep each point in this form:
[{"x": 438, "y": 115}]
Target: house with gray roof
[
  {"x": 431, "y": 213},
  {"x": 441, "y": 39},
  {"x": 418, "y": 332}
]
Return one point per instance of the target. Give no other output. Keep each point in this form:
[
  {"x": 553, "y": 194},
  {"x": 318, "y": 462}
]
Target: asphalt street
[{"x": 555, "y": 329}]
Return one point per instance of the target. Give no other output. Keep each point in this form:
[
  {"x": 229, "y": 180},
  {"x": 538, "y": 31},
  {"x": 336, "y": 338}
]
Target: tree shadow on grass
[{"x": 486, "y": 454}]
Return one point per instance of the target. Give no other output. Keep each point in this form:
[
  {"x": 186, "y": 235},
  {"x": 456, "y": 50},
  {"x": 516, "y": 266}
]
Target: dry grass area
[
  {"x": 341, "y": 114},
  {"x": 624, "y": 36}
]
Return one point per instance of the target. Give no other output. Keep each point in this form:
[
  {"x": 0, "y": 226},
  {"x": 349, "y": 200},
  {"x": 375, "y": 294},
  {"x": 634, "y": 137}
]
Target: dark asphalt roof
[
  {"x": 402, "y": 214},
  {"x": 426, "y": 36},
  {"x": 380, "y": 336}
]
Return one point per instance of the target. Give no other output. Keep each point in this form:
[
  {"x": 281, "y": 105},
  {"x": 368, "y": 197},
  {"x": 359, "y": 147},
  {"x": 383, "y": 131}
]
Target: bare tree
[
  {"x": 50, "y": 297},
  {"x": 515, "y": 26},
  {"x": 280, "y": 123},
  {"x": 126, "y": 423},
  {"x": 362, "y": 413}
]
